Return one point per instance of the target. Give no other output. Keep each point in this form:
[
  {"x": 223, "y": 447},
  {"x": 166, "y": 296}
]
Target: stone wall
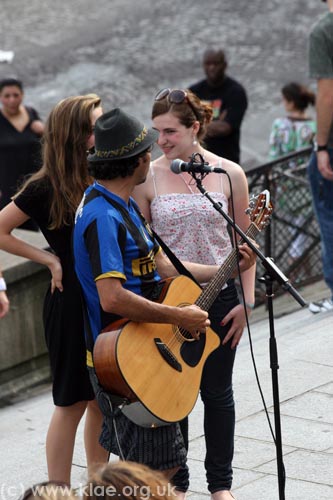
[{"x": 23, "y": 354}]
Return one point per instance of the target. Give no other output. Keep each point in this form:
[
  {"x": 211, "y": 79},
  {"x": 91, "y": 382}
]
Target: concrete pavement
[{"x": 305, "y": 346}]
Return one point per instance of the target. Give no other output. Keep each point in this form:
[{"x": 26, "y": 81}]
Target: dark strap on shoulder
[
  {"x": 131, "y": 226},
  {"x": 174, "y": 259}
]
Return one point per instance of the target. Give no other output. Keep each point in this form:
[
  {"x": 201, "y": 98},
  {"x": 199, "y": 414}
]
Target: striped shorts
[{"x": 160, "y": 448}]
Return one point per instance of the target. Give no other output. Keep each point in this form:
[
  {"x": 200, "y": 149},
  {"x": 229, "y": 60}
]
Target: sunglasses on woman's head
[{"x": 175, "y": 96}]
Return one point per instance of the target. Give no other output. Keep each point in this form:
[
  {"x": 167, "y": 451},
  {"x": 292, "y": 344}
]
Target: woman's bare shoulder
[{"x": 232, "y": 168}]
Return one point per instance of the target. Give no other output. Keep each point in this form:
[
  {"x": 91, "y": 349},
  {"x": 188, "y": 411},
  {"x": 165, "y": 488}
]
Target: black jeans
[{"x": 219, "y": 409}]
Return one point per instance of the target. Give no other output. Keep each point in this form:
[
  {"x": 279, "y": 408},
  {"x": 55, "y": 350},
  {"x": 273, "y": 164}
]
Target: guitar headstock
[{"x": 260, "y": 209}]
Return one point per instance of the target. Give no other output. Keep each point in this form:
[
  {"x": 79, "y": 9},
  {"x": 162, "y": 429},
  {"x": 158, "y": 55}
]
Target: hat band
[{"x": 124, "y": 149}]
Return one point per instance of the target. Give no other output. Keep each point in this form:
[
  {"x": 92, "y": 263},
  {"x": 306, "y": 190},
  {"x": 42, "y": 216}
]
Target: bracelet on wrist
[
  {"x": 3, "y": 286},
  {"x": 249, "y": 305},
  {"x": 319, "y": 147}
]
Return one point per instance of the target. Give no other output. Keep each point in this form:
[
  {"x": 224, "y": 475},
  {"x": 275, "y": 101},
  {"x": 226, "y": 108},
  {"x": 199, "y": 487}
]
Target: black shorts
[{"x": 160, "y": 448}]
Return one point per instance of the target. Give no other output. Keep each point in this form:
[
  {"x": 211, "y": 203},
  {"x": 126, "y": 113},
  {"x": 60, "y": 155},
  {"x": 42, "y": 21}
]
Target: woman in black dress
[
  {"x": 20, "y": 133},
  {"x": 50, "y": 198}
]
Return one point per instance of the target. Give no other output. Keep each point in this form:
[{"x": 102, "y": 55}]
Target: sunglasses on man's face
[{"x": 175, "y": 96}]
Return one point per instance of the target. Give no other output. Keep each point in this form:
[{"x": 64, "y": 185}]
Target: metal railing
[{"x": 292, "y": 238}]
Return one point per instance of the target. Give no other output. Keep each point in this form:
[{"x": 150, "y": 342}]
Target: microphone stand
[{"x": 272, "y": 273}]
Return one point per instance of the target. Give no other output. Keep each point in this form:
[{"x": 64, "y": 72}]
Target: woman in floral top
[{"x": 196, "y": 232}]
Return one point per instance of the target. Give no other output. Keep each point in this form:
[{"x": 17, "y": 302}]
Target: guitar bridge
[{"x": 167, "y": 355}]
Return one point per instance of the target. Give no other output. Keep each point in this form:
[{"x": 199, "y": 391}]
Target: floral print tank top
[{"x": 190, "y": 225}]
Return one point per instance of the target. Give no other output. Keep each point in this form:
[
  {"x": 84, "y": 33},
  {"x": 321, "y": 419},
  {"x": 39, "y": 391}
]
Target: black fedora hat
[{"x": 119, "y": 135}]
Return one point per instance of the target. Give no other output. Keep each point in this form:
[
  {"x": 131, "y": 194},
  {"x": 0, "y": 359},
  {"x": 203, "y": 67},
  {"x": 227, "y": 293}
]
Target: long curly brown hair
[{"x": 65, "y": 157}]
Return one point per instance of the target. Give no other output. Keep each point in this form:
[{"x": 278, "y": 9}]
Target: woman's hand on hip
[
  {"x": 238, "y": 322},
  {"x": 56, "y": 271}
]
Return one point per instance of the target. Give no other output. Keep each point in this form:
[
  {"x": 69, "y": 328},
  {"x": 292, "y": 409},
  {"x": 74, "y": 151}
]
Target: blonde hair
[
  {"x": 64, "y": 156},
  {"x": 185, "y": 112},
  {"x": 128, "y": 481}
]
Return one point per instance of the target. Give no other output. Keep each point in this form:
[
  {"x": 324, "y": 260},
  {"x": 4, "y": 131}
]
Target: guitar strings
[{"x": 209, "y": 294}]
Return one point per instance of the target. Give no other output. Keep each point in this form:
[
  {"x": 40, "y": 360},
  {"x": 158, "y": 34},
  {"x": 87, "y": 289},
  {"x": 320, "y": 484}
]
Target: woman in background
[
  {"x": 297, "y": 129},
  {"x": 291, "y": 133},
  {"x": 50, "y": 198},
  {"x": 20, "y": 132}
]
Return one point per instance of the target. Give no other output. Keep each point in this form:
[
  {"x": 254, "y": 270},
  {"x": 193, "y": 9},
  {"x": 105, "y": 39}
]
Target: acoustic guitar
[{"x": 158, "y": 367}]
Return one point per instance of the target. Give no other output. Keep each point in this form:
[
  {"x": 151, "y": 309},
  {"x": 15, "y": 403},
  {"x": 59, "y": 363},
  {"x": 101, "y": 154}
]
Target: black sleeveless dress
[
  {"x": 20, "y": 155},
  {"x": 63, "y": 317}
]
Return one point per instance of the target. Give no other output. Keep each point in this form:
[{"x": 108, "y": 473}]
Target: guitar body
[{"x": 156, "y": 364}]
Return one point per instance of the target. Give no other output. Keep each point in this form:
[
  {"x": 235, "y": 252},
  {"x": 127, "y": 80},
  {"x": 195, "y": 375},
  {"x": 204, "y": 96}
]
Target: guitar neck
[{"x": 212, "y": 290}]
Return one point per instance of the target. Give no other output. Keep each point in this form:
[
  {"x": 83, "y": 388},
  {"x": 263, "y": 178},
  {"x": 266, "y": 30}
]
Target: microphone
[{"x": 178, "y": 166}]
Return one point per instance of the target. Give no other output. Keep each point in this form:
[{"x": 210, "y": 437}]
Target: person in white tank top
[{"x": 196, "y": 232}]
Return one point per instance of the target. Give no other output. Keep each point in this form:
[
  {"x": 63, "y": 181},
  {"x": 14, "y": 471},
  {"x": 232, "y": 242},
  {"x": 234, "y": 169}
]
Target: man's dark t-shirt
[{"x": 229, "y": 97}]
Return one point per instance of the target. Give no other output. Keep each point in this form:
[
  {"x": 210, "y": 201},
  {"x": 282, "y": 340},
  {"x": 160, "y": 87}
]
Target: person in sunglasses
[
  {"x": 196, "y": 232},
  {"x": 229, "y": 102}
]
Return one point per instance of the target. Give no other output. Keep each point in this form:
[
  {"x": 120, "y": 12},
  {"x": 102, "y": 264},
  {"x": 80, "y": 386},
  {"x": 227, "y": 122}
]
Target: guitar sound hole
[
  {"x": 180, "y": 333},
  {"x": 185, "y": 335},
  {"x": 191, "y": 352}
]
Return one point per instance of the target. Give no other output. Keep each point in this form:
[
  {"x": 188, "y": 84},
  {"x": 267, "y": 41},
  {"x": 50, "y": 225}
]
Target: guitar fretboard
[{"x": 211, "y": 291}]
